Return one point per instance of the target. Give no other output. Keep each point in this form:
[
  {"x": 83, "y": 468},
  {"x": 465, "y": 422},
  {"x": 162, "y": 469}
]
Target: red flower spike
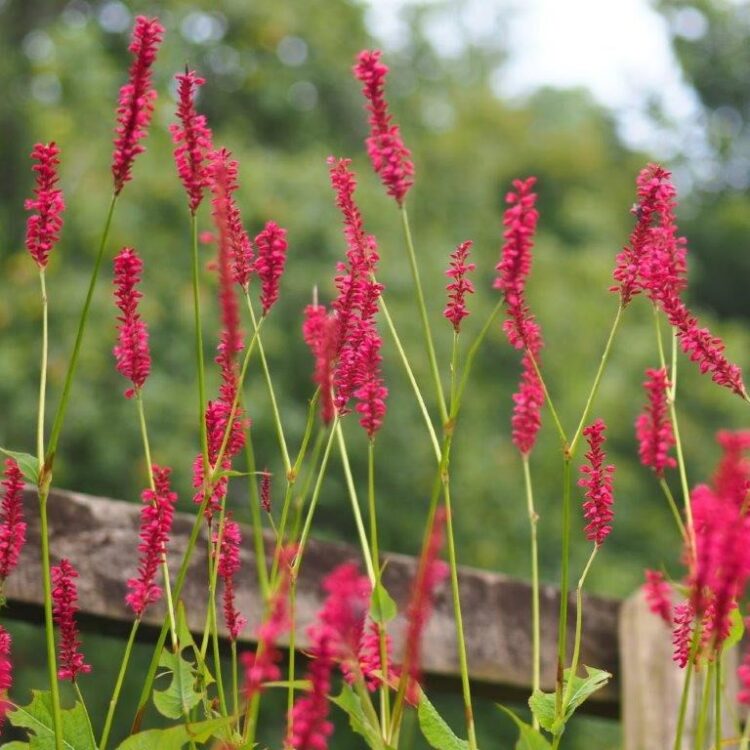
[
  {"x": 527, "y": 406},
  {"x": 658, "y": 595},
  {"x": 64, "y": 608},
  {"x": 597, "y": 478},
  {"x": 156, "y": 525},
  {"x": 265, "y": 490},
  {"x": 192, "y": 139},
  {"x": 371, "y": 394},
  {"x": 136, "y": 103},
  {"x": 229, "y": 565},
  {"x": 320, "y": 331},
  {"x": 390, "y": 158},
  {"x": 44, "y": 225},
  {"x": 370, "y": 664},
  {"x": 460, "y": 286},
  {"x": 653, "y": 428},
  {"x": 6, "y": 673},
  {"x": 682, "y": 634},
  {"x": 269, "y": 265},
  {"x": 430, "y": 573},
  {"x": 131, "y": 352},
  {"x": 12, "y": 524},
  {"x": 732, "y": 476}
]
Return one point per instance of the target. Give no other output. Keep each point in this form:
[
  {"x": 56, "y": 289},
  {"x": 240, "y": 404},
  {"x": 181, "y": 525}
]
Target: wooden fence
[{"x": 101, "y": 535}]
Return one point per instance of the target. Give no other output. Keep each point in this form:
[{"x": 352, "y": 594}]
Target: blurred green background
[{"x": 280, "y": 95}]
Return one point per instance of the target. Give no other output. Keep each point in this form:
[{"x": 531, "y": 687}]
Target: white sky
[{"x": 619, "y": 49}]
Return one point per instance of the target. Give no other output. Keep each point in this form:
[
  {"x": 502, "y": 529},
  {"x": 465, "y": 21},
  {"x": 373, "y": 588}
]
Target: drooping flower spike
[
  {"x": 12, "y": 524},
  {"x": 597, "y": 479},
  {"x": 653, "y": 428},
  {"x": 64, "y": 608},
  {"x": 658, "y": 595},
  {"x": 320, "y": 331},
  {"x": 390, "y": 158},
  {"x": 371, "y": 394},
  {"x": 269, "y": 265},
  {"x": 229, "y": 565},
  {"x": 459, "y": 286},
  {"x": 192, "y": 139},
  {"x": 44, "y": 225},
  {"x": 131, "y": 351},
  {"x": 136, "y": 102}
]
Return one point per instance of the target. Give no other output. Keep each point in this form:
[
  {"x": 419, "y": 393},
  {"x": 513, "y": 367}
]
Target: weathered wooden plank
[{"x": 100, "y": 537}]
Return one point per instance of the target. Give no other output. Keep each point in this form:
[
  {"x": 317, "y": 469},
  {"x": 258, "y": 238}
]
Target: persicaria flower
[
  {"x": 597, "y": 479},
  {"x": 12, "y": 524},
  {"x": 136, "y": 103},
  {"x": 64, "y": 608},
  {"x": 228, "y": 566},
  {"x": 269, "y": 265},
  {"x": 658, "y": 595},
  {"x": 6, "y": 673},
  {"x": 390, "y": 158},
  {"x": 371, "y": 394},
  {"x": 156, "y": 524},
  {"x": 527, "y": 405},
  {"x": 320, "y": 331},
  {"x": 265, "y": 490},
  {"x": 44, "y": 225},
  {"x": 732, "y": 477},
  {"x": 460, "y": 285},
  {"x": 131, "y": 351},
  {"x": 653, "y": 428},
  {"x": 192, "y": 139},
  {"x": 682, "y": 634},
  {"x": 370, "y": 663}
]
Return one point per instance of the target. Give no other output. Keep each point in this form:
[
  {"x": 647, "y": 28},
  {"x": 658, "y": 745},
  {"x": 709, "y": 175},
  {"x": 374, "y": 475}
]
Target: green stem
[
  {"x": 562, "y": 633},
  {"x": 367, "y": 554},
  {"x": 217, "y": 662},
  {"x": 43, "y": 373},
  {"x": 673, "y": 507},
  {"x": 412, "y": 379},
  {"x": 535, "y": 621},
  {"x": 695, "y": 644},
  {"x": 49, "y": 627},
  {"x": 550, "y": 403},
  {"x": 700, "y": 731},
  {"x": 199, "y": 363},
  {"x": 717, "y": 704},
  {"x": 235, "y": 681},
  {"x": 72, "y": 365},
  {"x": 258, "y": 544},
  {"x": 597, "y": 381},
  {"x": 745, "y": 741},
  {"x": 118, "y": 687},
  {"x": 271, "y": 392},
  {"x": 423, "y": 315},
  {"x": 292, "y": 651},
  {"x": 79, "y": 695}
]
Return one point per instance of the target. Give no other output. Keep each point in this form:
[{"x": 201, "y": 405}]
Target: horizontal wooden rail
[{"x": 100, "y": 536}]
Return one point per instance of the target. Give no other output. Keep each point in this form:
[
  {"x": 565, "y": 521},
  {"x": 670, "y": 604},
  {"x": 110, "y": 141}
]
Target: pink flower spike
[
  {"x": 229, "y": 565},
  {"x": 132, "y": 351},
  {"x": 269, "y": 265},
  {"x": 682, "y": 634},
  {"x": 12, "y": 524},
  {"x": 527, "y": 407},
  {"x": 64, "y": 608},
  {"x": 6, "y": 673},
  {"x": 192, "y": 139},
  {"x": 371, "y": 394},
  {"x": 597, "y": 478},
  {"x": 732, "y": 476},
  {"x": 265, "y": 490},
  {"x": 156, "y": 525},
  {"x": 320, "y": 331},
  {"x": 653, "y": 428},
  {"x": 390, "y": 158},
  {"x": 460, "y": 286},
  {"x": 136, "y": 103},
  {"x": 658, "y": 595},
  {"x": 43, "y": 227}
]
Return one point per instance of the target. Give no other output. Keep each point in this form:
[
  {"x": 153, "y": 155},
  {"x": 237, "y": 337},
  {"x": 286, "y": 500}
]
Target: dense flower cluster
[
  {"x": 390, "y": 158},
  {"x": 597, "y": 479},
  {"x": 653, "y": 428},
  {"x": 731, "y": 479},
  {"x": 136, "y": 102},
  {"x": 131, "y": 351},
  {"x": 64, "y": 608},
  {"x": 228, "y": 566},
  {"x": 156, "y": 524},
  {"x": 459, "y": 285},
  {"x": 682, "y": 634},
  {"x": 6, "y": 673},
  {"x": 265, "y": 490},
  {"x": 658, "y": 595},
  {"x": 44, "y": 225},
  {"x": 527, "y": 406},
  {"x": 269, "y": 265},
  {"x": 320, "y": 331},
  {"x": 192, "y": 139},
  {"x": 12, "y": 524}
]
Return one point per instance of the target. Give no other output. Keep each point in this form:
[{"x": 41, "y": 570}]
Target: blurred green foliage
[{"x": 280, "y": 95}]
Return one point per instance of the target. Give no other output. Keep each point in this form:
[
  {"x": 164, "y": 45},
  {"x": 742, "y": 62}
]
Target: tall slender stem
[
  {"x": 673, "y": 507},
  {"x": 43, "y": 371},
  {"x": 79, "y": 695},
  {"x": 562, "y": 633},
  {"x": 73, "y": 364},
  {"x": 684, "y": 698},
  {"x": 717, "y": 703},
  {"x": 700, "y": 731},
  {"x": 259, "y": 546},
  {"x": 198, "y": 333},
  {"x": 423, "y": 315},
  {"x": 118, "y": 687},
  {"x": 535, "y": 621}
]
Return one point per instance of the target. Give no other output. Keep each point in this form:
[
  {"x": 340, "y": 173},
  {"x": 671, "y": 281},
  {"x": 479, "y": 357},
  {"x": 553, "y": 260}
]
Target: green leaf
[
  {"x": 28, "y": 464},
  {"x": 177, "y": 700},
  {"x": 349, "y": 701},
  {"x": 36, "y": 717},
  {"x": 185, "y": 640},
  {"x": 296, "y": 684},
  {"x": 175, "y": 738},
  {"x": 15, "y": 745},
  {"x": 595, "y": 680},
  {"x": 736, "y": 630},
  {"x": 382, "y": 607},
  {"x": 542, "y": 705},
  {"x": 529, "y": 739},
  {"x": 435, "y": 730}
]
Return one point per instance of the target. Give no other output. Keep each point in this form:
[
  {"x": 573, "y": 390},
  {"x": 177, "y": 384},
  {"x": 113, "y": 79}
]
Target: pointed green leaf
[
  {"x": 542, "y": 705},
  {"x": 583, "y": 687},
  {"x": 382, "y": 607},
  {"x": 175, "y": 738},
  {"x": 28, "y": 464},
  {"x": 435, "y": 730},
  {"x": 181, "y": 695},
  {"x": 349, "y": 701},
  {"x": 736, "y": 630},
  {"x": 36, "y": 717},
  {"x": 529, "y": 739}
]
